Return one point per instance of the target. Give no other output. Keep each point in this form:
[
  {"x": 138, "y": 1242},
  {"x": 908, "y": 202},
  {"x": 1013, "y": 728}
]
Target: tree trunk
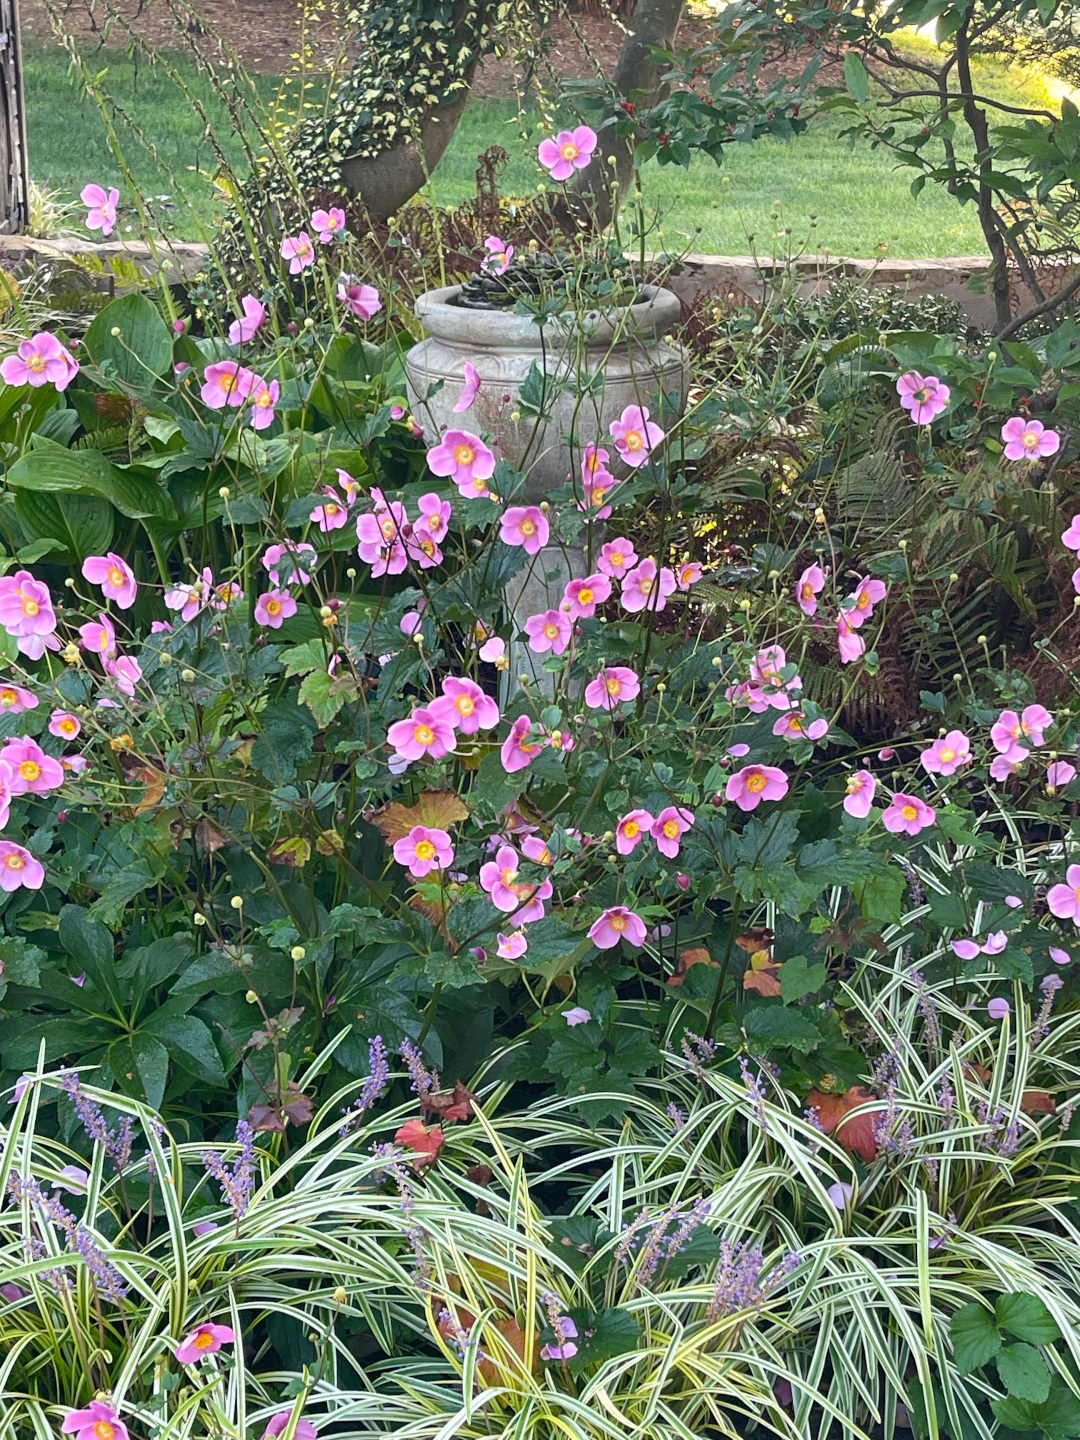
[{"x": 637, "y": 77}]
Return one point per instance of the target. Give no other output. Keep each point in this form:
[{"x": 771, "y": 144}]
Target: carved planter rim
[{"x": 651, "y": 318}]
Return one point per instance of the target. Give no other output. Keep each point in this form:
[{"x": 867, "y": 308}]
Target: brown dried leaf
[
  {"x": 154, "y": 781},
  {"x": 1038, "y": 1102},
  {"x": 697, "y": 955},
  {"x": 295, "y": 851},
  {"x": 424, "y": 1140},
  {"x": 329, "y": 842},
  {"x": 766, "y": 980},
  {"x": 758, "y": 937},
  {"x": 453, "y": 1104},
  {"x": 209, "y": 836},
  {"x": 855, "y": 1134},
  {"x": 437, "y": 809}
]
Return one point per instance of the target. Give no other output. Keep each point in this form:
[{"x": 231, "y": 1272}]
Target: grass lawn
[{"x": 858, "y": 196}]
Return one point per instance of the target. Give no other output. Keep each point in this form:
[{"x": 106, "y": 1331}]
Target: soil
[{"x": 265, "y": 34}]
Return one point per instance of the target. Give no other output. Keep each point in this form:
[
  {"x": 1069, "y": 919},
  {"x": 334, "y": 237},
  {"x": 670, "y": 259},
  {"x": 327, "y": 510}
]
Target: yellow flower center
[
  {"x": 424, "y": 735},
  {"x": 29, "y": 770},
  {"x": 617, "y": 922},
  {"x": 617, "y": 559},
  {"x": 435, "y": 524},
  {"x": 425, "y": 850},
  {"x": 569, "y": 151},
  {"x": 36, "y": 363},
  {"x": 909, "y": 812},
  {"x": 671, "y": 829},
  {"x": 947, "y": 755},
  {"x": 273, "y": 607},
  {"x": 585, "y": 596},
  {"x": 14, "y": 861},
  {"x": 427, "y": 547},
  {"x": 854, "y": 785},
  {"x": 464, "y": 454},
  {"x": 69, "y": 727},
  {"x": 597, "y": 495},
  {"x": 862, "y": 601},
  {"x": 30, "y": 607},
  {"x": 544, "y": 858},
  {"x": 464, "y": 704},
  {"x": 103, "y": 1430},
  {"x": 330, "y": 509},
  {"x": 921, "y": 396},
  {"x": 226, "y": 382},
  {"x": 551, "y": 631},
  {"x": 756, "y": 782},
  {"x": 264, "y": 400},
  {"x": 528, "y": 527},
  {"x": 630, "y": 829},
  {"x": 116, "y": 575},
  {"x": 592, "y": 461},
  {"x": 645, "y": 586},
  {"x": 204, "y": 1340},
  {"x": 480, "y": 486},
  {"x": 1030, "y": 439},
  {"x": 388, "y": 526},
  {"x": 635, "y": 440},
  {"x": 8, "y": 697},
  {"x": 613, "y": 685},
  {"x": 807, "y": 591},
  {"x": 509, "y": 874}
]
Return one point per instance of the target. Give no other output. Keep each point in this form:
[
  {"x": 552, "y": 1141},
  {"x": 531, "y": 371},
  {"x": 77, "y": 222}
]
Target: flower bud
[
  {"x": 340, "y": 1295},
  {"x": 251, "y": 998},
  {"x": 224, "y": 492},
  {"x": 298, "y": 952},
  {"x": 187, "y": 675},
  {"x": 237, "y": 902},
  {"x": 115, "y": 331},
  {"x": 682, "y": 880}
]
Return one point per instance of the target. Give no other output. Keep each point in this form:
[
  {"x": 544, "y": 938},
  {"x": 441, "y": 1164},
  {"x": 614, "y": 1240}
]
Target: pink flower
[
  {"x": 646, "y": 588},
  {"x": 499, "y": 878},
  {"x": 924, "y": 396},
  {"x": 750, "y": 696},
  {"x": 424, "y": 849},
  {"x": 101, "y": 207},
  {"x": 669, "y": 827},
  {"x": 190, "y": 599},
  {"x": 594, "y": 464},
  {"x": 19, "y": 868},
  {"x": 26, "y": 612},
  {"x": 793, "y": 726},
  {"x": 126, "y": 671},
  {"x": 907, "y": 814},
  {"x": 688, "y": 573},
  {"x": 332, "y": 513},
  {"x": 114, "y": 575},
  {"x": 524, "y": 525},
  {"x": 279, "y": 1423},
  {"x": 581, "y": 597},
  {"x": 631, "y": 830},
  {"x": 1009, "y": 727},
  {"x": 98, "y": 1421},
  {"x": 613, "y": 686},
  {"x": 328, "y": 223},
  {"x": 1059, "y": 774},
  {"x": 615, "y": 924},
  {"x": 1028, "y": 439},
  {"x": 1071, "y": 537},
  {"x": 635, "y": 435},
  {"x": 465, "y": 459},
  {"x": 434, "y": 517},
  {"x": 533, "y": 848},
  {"x": 223, "y": 595},
  {"x": 868, "y": 593},
  {"x": 766, "y": 676},
  {"x": 14, "y": 700},
  {"x": 382, "y": 535},
  {"x": 203, "y": 1341},
  {"x": 754, "y": 783},
  {"x": 998, "y": 1008},
  {"x": 244, "y": 327},
  {"x": 288, "y": 559},
  {"x": 360, "y": 300},
  {"x": 512, "y": 946},
  {"x": 995, "y": 943},
  {"x": 32, "y": 771},
  {"x": 264, "y": 396},
  {"x": 810, "y": 585},
  {"x": 570, "y": 150},
  {"x": 299, "y": 251},
  {"x": 494, "y": 651},
  {"x": 850, "y": 644},
  {"x": 576, "y": 1015},
  {"x": 273, "y": 608},
  {"x": 550, "y": 630},
  {"x": 1005, "y": 765},
  {"x": 226, "y": 383},
  {"x": 469, "y": 390},
  {"x": 41, "y": 360},
  {"x": 859, "y": 795},
  {"x": 1064, "y": 900},
  {"x": 518, "y": 752},
  {"x": 465, "y": 706},
  {"x": 947, "y": 754},
  {"x": 498, "y": 257},
  {"x": 100, "y": 638},
  {"x": 64, "y": 725},
  {"x": 423, "y": 733}
]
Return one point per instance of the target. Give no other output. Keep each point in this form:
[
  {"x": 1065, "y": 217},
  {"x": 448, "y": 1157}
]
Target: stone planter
[{"x": 625, "y": 344}]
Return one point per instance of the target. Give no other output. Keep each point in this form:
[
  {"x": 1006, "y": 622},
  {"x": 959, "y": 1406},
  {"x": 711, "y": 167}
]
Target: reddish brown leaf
[
  {"x": 425, "y": 1140},
  {"x": 453, "y": 1104},
  {"x": 480, "y": 1174},
  {"x": 209, "y": 836},
  {"x": 495, "y": 1374},
  {"x": 758, "y": 937},
  {"x": 154, "y": 781},
  {"x": 855, "y": 1133},
  {"x": 437, "y": 809},
  {"x": 698, "y": 955},
  {"x": 765, "y": 981},
  {"x": 1038, "y": 1102}
]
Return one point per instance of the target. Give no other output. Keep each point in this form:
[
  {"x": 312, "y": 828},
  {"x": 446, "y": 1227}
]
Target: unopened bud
[
  {"x": 187, "y": 675},
  {"x": 251, "y": 998},
  {"x": 237, "y": 902},
  {"x": 224, "y": 492},
  {"x": 115, "y": 331},
  {"x": 298, "y": 952}
]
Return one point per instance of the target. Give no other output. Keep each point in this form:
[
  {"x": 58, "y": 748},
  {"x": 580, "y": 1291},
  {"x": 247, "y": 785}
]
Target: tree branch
[{"x": 1065, "y": 293}]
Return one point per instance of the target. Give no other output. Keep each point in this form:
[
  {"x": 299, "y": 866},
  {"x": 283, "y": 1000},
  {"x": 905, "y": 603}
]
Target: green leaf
[
  {"x": 601, "y": 1335},
  {"x": 975, "y": 1337},
  {"x": 82, "y": 524},
  {"x": 1058, "y": 1417},
  {"x": 882, "y": 898},
  {"x": 20, "y": 962},
  {"x": 191, "y": 1036},
  {"x": 142, "y": 351},
  {"x": 1022, "y": 1370},
  {"x": 856, "y": 77},
  {"x": 1026, "y": 1317},
  {"x": 1014, "y": 964},
  {"x": 325, "y": 694},
  {"x": 797, "y": 978},
  {"x": 84, "y": 940},
  {"x": 51, "y": 468},
  {"x": 287, "y": 739},
  {"x": 772, "y": 1025},
  {"x": 578, "y": 1238}
]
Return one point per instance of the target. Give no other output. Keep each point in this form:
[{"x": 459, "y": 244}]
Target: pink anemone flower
[
  {"x": 289, "y": 560},
  {"x": 582, "y": 596},
  {"x": 465, "y": 459},
  {"x": 512, "y": 946},
  {"x": 646, "y": 587},
  {"x": 752, "y": 784},
  {"x": 947, "y": 754},
  {"x": 465, "y": 706},
  {"x": 615, "y": 924},
  {"x": 551, "y": 630},
  {"x": 499, "y": 878},
  {"x": 243, "y": 328},
  {"x": 570, "y": 150},
  {"x": 273, "y": 608},
  {"x": 907, "y": 815},
  {"x": 809, "y": 586},
  {"x": 203, "y": 1341},
  {"x": 18, "y": 868},
  {"x": 264, "y": 396},
  {"x": 1028, "y": 439},
  {"x": 498, "y": 257},
  {"x": 299, "y": 252},
  {"x": 1064, "y": 900},
  {"x": 114, "y": 575},
  {"x": 631, "y": 830},
  {"x": 101, "y": 207},
  {"x": 328, "y": 223},
  {"x": 469, "y": 390},
  {"x": 360, "y": 300},
  {"x": 190, "y": 599},
  {"x": 423, "y": 733},
  {"x": 669, "y": 827},
  {"x": 613, "y": 686},
  {"x": 518, "y": 751},
  {"x": 524, "y": 525},
  {"x": 1010, "y": 728},
  {"x": 14, "y": 699},
  {"x": 41, "y": 360},
  {"x": 64, "y": 725},
  {"x": 1070, "y": 538},
  {"x": 226, "y": 383},
  {"x": 923, "y": 395},
  {"x": 424, "y": 849},
  {"x": 859, "y": 794},
  {"x": 99, "y": 1421},
  {"x": 279, "y": 1423},
  {"x": 635, "y": 435},
  {"x": 617, "y": 558},
  {"x": 1059, "y": 774},
  {"x": 869, "y": 593},
  {"x": 32, "y": 771},
  {"x": 850, "y": 644}
]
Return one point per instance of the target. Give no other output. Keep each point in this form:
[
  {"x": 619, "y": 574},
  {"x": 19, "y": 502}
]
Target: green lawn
[{"x": 858, "y": 196}]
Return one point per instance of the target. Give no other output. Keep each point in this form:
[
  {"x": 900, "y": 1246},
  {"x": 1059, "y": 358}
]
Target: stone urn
[{"x": 624, "y": 345}]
